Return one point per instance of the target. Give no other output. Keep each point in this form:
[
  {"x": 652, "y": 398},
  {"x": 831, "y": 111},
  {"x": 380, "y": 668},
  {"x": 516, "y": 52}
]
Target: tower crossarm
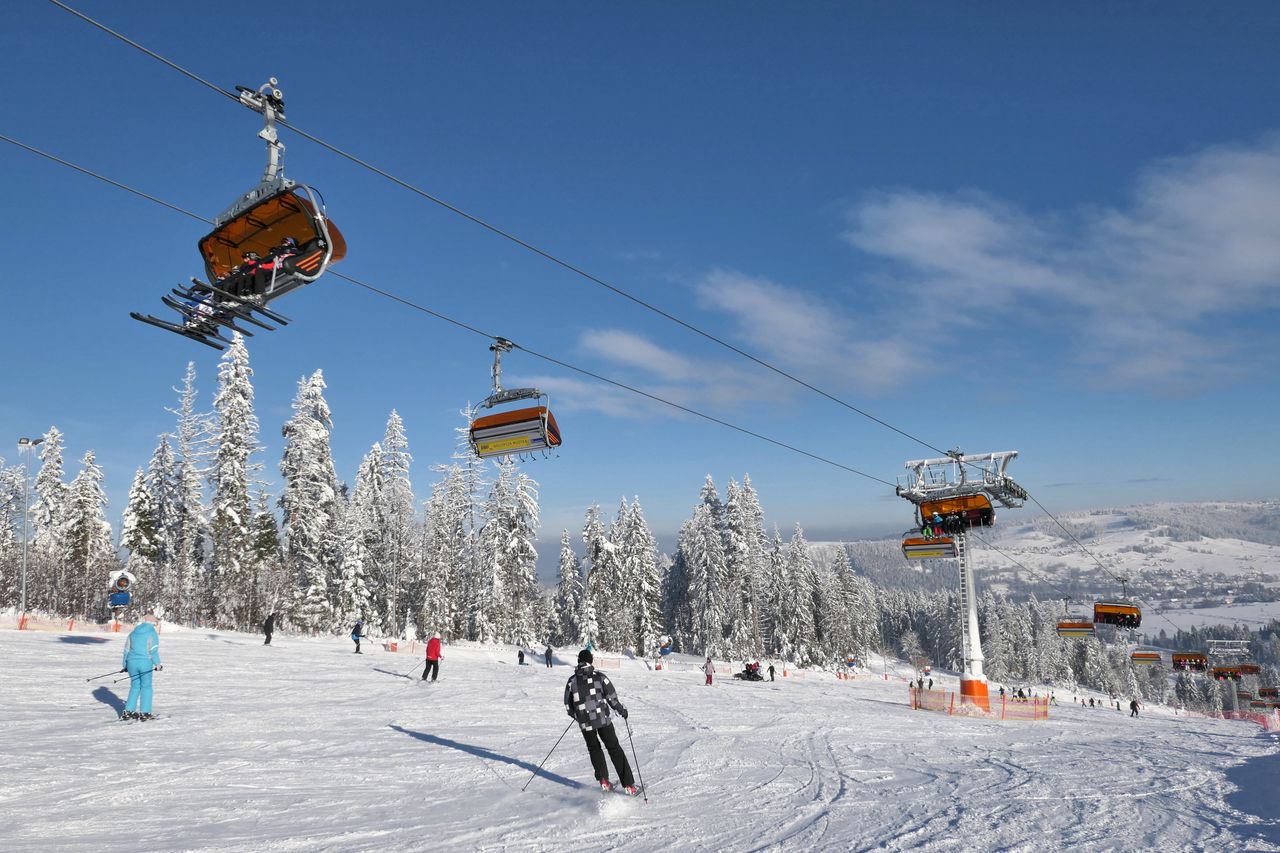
[{"x": 958, "y": 474}]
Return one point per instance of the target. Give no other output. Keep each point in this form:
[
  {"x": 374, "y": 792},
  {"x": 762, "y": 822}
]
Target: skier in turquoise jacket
[{"x": 141, "y": 658}]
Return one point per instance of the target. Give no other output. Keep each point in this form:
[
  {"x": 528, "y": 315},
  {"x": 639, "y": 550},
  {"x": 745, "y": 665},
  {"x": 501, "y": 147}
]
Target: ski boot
[
  {"x": 127, "y": 716},
  {"x": 606, "y": 786},
  {"x": 146, "y": 717},
  {"x": 631, "y": 791}
]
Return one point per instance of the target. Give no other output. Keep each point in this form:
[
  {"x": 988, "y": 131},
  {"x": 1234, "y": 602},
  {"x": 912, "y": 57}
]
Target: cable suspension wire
[
  {"x": 510, "y": 236},
  {"x": 474, "y": 330},
  {"x": 555, "y": 259}
]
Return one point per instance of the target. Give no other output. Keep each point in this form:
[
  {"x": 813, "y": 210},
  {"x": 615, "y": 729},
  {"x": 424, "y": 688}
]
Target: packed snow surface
[{"x": 303, "y": 746}]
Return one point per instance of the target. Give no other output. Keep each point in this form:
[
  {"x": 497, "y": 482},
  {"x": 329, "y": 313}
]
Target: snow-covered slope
[{"x": 303, "y": 746}]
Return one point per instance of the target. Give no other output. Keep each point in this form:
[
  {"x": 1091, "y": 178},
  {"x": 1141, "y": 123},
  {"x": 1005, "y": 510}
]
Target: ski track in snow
[{"x": 303, "y": 746}]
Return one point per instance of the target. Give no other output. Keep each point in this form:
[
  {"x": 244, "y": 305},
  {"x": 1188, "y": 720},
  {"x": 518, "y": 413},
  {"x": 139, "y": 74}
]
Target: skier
[
  {"x": 1133, "y": 707},
  {"x": 268, "y": 627},
  {"x": 710, "y": 669},
  {"x": 357, "y": 633},
  {"x": 433, "y": 657},
  {"x": 587, "y": 697},
  {"x": 520, "y": 657},
  {"x": 546, "y": 656},
  {"x": 1090, "y": 701},
  {"x": 771, "y": 672},
  {"x": 141, "y": 658},
  {"x": 930, "y": 683}
]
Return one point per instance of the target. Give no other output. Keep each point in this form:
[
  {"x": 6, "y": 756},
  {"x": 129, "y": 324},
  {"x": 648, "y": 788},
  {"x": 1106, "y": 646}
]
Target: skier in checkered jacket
[{"x": 587, "y": 698}]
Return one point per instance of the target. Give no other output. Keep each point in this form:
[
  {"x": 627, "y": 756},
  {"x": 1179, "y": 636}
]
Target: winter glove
[
  {"x": 622, "y": 712},
  {"x": 158, "y": 667}
]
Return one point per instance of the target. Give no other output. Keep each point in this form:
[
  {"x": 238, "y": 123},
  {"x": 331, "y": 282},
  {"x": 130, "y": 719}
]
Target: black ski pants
[
  {"x": 610, "y": 737},
  {"x": 432, "y": 669}
]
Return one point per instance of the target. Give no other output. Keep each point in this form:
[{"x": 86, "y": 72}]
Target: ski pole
[
  {"x": 410, "y": 673},
  {"x": 131, "y": 677},
  {"x": 113, "y": 672},
  {"x": 553, "y": 749},
  {"x": 643, "y": 791}
]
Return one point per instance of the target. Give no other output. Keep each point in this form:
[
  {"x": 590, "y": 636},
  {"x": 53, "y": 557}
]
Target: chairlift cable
[
  {"x": 545, "y": 357},
  {"x": 507, "y": 235},
  {"x": 562, "y": 263}
]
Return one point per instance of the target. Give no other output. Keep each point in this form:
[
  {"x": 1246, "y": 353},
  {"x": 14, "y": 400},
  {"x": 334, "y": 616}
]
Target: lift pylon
[{"x": 955, "y": 493}]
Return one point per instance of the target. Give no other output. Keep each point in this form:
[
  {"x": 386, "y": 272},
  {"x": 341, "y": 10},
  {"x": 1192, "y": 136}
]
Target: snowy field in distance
[
  {"x": 302, "y": 746},
  {"x": 1252, "y": 616}
]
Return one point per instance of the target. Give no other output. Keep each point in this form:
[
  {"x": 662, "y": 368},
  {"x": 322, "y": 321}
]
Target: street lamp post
[{"x": 26, "y": 444}]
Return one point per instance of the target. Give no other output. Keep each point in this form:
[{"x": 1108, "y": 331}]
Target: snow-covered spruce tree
[
  {"x": 162, "y": 490},
  {"x": 86, "y": 536},
  {"x": 839, "y": 616},
  {"x": 11, "y": 533},
  {"x": 353, "y": 598},
  {"x": 309, "y": 505},
  {"x": 743, "y": 554},
  {"x": 230, "y": 527},
  {"x": 777, "y": 601},
  {"x": 140, "y": 536},
  {"x": 365, "y": 508},
  {"x": 512, "y": 513},
  {"x": 616, "y": 620},
  {"x": 639, "y": 554},
  {"x": 192, "y": 437},
  {"x": 703, "y": 553},
  {"x": 804, "y": 594},
  {"x": 598, "y": 593},
  {"x": 675, "y": 597},
  {"x": 569, "y": 594},
  {"x": 273, "y": 584},
  {"x": 397, "y": 515},
  {"x": 51, "y": 495}
]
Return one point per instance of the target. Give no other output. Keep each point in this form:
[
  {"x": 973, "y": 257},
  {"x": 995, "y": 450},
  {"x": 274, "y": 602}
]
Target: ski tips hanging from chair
[
  {"x": 270, "y": 241},
  {"x": 523, "y": 431}
]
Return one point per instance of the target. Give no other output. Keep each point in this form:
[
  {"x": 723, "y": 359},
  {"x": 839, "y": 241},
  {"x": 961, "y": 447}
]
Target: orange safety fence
[
  {"x": 946, "y": 701},
  {"x": 607, "y": 663},
  {"x": 61, "y": 624}
]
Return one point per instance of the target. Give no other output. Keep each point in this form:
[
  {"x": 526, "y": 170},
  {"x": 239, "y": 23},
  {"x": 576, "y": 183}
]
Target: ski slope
[{"x": 303, "y": 746}]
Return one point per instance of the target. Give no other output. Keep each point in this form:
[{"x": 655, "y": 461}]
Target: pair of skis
[{"x": 203, "y": 325}]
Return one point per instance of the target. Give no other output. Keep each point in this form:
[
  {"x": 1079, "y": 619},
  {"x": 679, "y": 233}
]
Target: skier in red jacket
[{"x": 433, "y": 657}]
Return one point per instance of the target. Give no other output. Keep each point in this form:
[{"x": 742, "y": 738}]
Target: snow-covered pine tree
[
  {"x": 675, "y": 596},
  {"x": 11, "y": 531},
  {"x": 640, "y": 554},
  {"x": 274, "y": 587},
  {"x": 86, "y": 536},
  {"x": 309, "y": 505},
  {"x": 514, "y": 508},
  {"x": 569, "y": 594},
  {"x": 140, "y": 536},
  {"x": 599, "y": 593},
  {"x": 742, "y": 571},
  {"x": 230, "y": 527},
  {"x": 51, "y": 496},
  {"x": 166, "y": 505},
  {"x": 192, "y": 436},
  {"x": 397, "y": 514},
  {"x": 804, "y": 593},
  {"x": 777, "y": 610},
  {"x": 353, "y": 597},
  {"x": 703, "y": 553}
]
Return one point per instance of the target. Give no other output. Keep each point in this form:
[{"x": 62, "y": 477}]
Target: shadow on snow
[
  {"x": 487, "y": 755},
  {"x": 83, "y": 641},
  {"x": 107, "y": 696}
]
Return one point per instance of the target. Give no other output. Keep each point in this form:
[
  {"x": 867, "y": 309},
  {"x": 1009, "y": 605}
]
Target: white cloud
[
  {"x": 1146, "y": 292},
  {"x": 809, "y": 334}
]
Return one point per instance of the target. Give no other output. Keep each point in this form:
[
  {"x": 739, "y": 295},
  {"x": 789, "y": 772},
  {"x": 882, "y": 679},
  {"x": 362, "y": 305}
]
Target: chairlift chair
[
  {"x": 1123, "y": 614},
  {"x": 1075, "y": 626},
  {"x": 917, "y": 547},
  {"x": 513, "y": 431},
  {"x": 1145, "y": 657},
  {"x": 1191, "y": 661},
  {"x": 259, "y": 222}
]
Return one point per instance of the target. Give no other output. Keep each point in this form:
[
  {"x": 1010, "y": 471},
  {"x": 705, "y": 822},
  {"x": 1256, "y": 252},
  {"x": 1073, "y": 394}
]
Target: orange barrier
[
  {"x": 944, "y": 701},
  {"x": 607, "y": 663}
]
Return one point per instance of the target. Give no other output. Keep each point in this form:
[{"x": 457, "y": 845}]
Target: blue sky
[{"x": 995, "y": 226}]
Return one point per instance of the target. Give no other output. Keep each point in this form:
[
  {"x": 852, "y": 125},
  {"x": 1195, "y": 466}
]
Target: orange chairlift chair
[{"x": 513, "y": 432}]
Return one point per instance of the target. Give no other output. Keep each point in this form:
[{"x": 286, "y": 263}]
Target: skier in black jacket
[
  {"x": 268, "y": 628},
  {"x": 587, "y": 698}
]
